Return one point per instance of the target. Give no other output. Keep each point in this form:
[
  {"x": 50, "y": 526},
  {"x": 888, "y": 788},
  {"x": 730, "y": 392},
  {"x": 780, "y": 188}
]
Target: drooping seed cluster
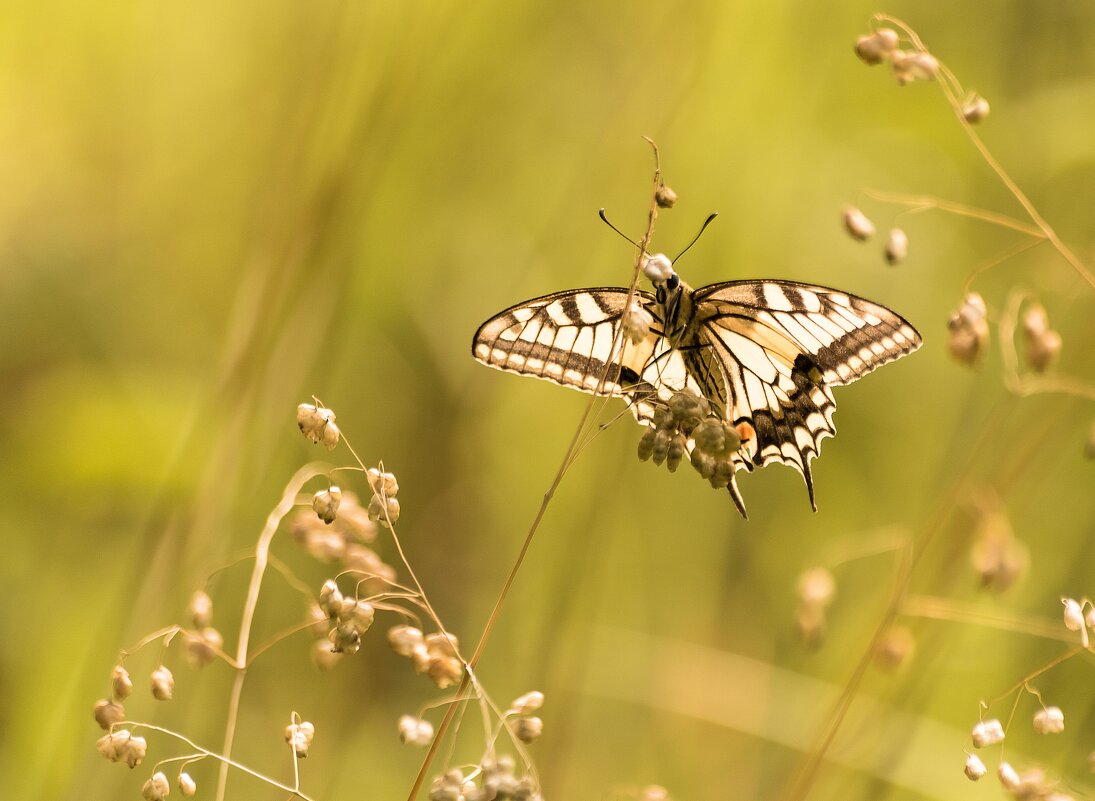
[
  {"x": 318, "y": 425},
  {"x": 815, "y": 592},
  {"x": 687, "y": 424},
  {"x": 434, "y": 654},
  {"x": 1032, "y": 784},
  {"x": 1042, "y": 343},
  {"x": 969, "y": 329},
  {"x": 493, "y": 780},
  {"x": 860, "y": 228}
]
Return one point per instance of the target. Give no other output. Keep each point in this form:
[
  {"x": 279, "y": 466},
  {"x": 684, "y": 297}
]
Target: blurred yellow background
[{"x": 211, "y": 212}]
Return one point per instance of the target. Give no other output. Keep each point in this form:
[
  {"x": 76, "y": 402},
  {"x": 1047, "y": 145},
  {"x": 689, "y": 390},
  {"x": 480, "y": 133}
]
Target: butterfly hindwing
[{"x": 782, "y": 345}]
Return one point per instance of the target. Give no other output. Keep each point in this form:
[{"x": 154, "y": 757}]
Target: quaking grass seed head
[
  {"x": 163, "y": 683},
  {"x": 187, "y": 785},
  {"x": 156, "y": 788},
  {"x": 121, "y": 684},
  {"x": 875, "y": 47},
  {"x": 857, "y": 224},
  {"x": 325, "y": 504},
  {"x": 975, "y": 769},
  {"x": 200, "y": 609}
]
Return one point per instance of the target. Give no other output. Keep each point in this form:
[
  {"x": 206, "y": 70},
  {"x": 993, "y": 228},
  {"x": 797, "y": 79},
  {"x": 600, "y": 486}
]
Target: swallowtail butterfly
[{"x": 762, "y": 353}]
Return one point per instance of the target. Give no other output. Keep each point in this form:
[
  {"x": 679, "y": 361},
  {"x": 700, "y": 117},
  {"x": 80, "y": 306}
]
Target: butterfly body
[{"x": 764, "y": 354}]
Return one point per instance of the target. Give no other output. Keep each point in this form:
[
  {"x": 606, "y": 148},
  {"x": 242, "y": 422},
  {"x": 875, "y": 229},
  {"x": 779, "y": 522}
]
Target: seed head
[
  {"x": 665, "y": 197},
  {"x": 157, "y": 788},
  {"x": 529, "y": 702},
  {"x": 897, "y": 246},
  {"x": 1043, "y": 344},
  {"x": 1009, "y": 778},
  {"x": 415, "y": 731},
  {"x": 300, "y": 736},
  {"x": 200, "y": 609},
  {"x": 114, "y": 745},
  {"x": 969, "y": 329},
  {"x": 187, "y": 786},
  {"x": 163, "y": 683},
  {"x": 657, "y": 268},
  {"x": 1050, "y": 720},
  {"x": 636, "y": 322},
  {"x": 330, "y": 598},
  {"x": 528, "y": 729},
  {"x": 857, "y": 224},
  {"x": 404, "y": 639},
  {"x": 108, "y": 713},
  {"x": 384, "y": 511},
  {"x": 204, "y": 647},
  {"x": 896, "y": 647},
  {"x": 914, "y": 65},
  {"x": 325, "y": 503},
  {"x": 975, "y": 768},
  {"x": 975, "y": 109},
  {"x": 1073, "y": 614},
  {"x": 646, "y": 444},
  {"x": 987, "y": 732},
  {"x": 318, "y": 424},
  {"x": 445, "y": 671},
  {"x": 873, "y": 48},
  {"x": 816, "y": 586},
  {"x": 997, "y": 556},
  {"x": 121, "y": 684}
]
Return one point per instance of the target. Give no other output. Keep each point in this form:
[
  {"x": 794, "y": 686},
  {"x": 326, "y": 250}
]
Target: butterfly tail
[{"x": 735, "y": 496}]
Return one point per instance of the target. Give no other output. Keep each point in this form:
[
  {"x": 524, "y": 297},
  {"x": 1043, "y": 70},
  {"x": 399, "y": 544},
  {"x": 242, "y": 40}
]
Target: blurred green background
[{"x": 211, "y": 212}]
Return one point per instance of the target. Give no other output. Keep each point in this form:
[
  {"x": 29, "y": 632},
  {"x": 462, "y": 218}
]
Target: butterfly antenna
[
  {"x": 710, "y": 219},
  {"x": 604, "y": 219}
]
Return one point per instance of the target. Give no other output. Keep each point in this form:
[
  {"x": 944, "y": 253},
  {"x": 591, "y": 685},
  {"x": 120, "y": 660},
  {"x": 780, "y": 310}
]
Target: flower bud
[{"x": 857, "y": 224}]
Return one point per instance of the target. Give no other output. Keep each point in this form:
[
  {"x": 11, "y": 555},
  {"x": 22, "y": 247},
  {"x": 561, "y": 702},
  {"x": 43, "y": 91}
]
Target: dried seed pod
[
  {"x": 857, "y": 224},
  {"x": 108, "y": 713},
  {"x": 636, "y": 322},
  {"x": 987, "y": 732},
  {"x": 1050, "y": 720},
  {"x": 665, "y": 197},
  {"x": 657, "y": 268},
  {"x": 897, "y": 246},
  {"x": 163, "y": 683},
  {"x": 975, "y": 109},
  {"x": 156, "y": 788},
  {"x": 187, "y": 785},
  {"x": 200, "y": 609},
  {"x": 121, "y": 684},
  {"x": 325, "y": 503},
  {"x": 975, "y": 768}
]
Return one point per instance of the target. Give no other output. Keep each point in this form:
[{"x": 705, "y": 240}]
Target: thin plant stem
[
  {"x": 572, "y": 448},
  {"x": 262, "y": 553}
]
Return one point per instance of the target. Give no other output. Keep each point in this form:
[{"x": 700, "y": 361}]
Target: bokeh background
[{"x": 211, "y": 212}]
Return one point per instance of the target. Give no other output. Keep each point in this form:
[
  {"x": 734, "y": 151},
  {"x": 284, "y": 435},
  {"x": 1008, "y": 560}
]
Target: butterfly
[{"x": 764, "y": 355}]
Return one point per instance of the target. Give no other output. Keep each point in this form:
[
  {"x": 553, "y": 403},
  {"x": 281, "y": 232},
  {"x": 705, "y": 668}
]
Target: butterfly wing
[
  {"x": 771, "y": 352},
  {"x": 570, "y": 338}
]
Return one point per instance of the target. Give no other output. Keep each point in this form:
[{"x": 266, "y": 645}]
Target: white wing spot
[
  {"x": 588, "y": 308},
  {"x": 776, "y": 299}
]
